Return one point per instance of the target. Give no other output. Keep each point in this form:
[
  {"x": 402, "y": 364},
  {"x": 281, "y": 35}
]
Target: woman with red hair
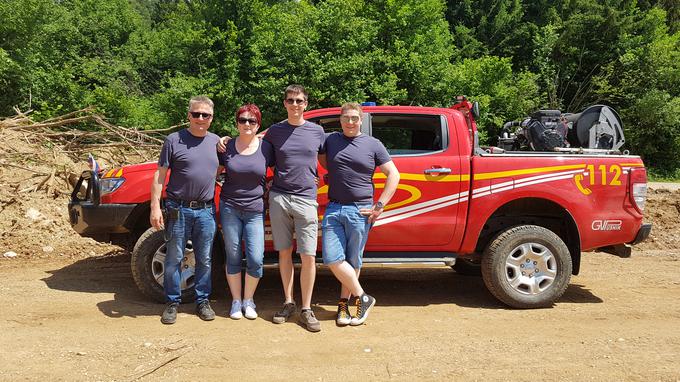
[{"x": 245, "y": 162}]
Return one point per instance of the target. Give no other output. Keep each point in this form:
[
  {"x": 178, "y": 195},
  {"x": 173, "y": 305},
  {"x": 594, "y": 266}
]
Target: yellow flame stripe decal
[
  {"x": 536, "y": 170},
  {"x": 119, "y": 173},
  {"x": 109, "y": 173},
  {"x": 633, "y": 164},
  {"x": 415, "y": 194}
]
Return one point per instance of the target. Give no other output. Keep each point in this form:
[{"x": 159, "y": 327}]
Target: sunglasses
[
  {"x": 198, "y": 114},
  {"x": 295, "y": 101},
  {"x": 243, "y": 121},
  {"x": 350, "y": 118}
]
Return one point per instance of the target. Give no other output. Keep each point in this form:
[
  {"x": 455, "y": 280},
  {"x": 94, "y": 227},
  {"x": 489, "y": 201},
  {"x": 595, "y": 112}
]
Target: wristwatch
[{"x": 378, "y": 205}]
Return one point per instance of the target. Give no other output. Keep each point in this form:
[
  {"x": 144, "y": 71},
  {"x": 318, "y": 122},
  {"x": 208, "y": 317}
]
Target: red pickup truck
[{"x": 521, "y": 219}]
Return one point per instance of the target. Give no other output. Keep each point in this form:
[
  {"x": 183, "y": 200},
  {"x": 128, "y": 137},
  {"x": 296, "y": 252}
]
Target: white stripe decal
[
  {"x": 421, "y": 205},
  {"x": 414, "y": 213}
]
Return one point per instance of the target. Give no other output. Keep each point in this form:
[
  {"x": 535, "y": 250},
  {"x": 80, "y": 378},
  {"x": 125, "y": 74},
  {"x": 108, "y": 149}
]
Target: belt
[{"x": 194, "y": 204}]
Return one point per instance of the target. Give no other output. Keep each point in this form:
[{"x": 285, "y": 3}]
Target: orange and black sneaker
[
  {"x": 343, "y": 318},
  {"x": 364, "y": 303}
]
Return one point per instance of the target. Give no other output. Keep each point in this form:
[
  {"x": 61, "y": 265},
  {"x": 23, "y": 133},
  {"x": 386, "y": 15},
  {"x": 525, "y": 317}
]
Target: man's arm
[
  {"x": 391, "y": 183},
  {"x": 157, "y": 183}
]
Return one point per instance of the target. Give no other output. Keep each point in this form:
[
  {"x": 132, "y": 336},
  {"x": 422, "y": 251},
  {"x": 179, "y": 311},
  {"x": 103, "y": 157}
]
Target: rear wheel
[
  {"x": 148, "y": 266},
  {"x": 527, "y": 267}
]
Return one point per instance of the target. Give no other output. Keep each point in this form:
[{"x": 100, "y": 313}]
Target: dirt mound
[
  {"x": 663, "y": 211},
  {"x": 39, "y": 164},
  {"x": 35, "y": 183}
]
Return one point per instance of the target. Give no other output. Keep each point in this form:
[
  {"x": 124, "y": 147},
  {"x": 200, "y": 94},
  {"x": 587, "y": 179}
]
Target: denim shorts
[{"x": 344, "y": 233}]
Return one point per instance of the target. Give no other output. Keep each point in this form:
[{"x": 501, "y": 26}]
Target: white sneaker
[
  {"x": 235, "y": 312},
  {"x": 249, "y": 309}
]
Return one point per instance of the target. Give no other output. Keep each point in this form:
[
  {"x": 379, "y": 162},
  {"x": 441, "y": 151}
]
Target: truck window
[
  {"x": 408, "y": 134},
  {"x": 330, "y": 124}
]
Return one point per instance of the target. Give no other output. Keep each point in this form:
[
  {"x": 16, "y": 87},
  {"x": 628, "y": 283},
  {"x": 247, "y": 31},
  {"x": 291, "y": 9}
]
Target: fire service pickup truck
[{"x": 520, "y": 213}]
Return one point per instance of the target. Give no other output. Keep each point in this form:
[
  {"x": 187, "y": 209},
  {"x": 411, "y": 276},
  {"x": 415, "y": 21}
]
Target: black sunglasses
[
  {"x": 296, "y": 101},
  {"x": 197, "y": 114},
  {"x": 243, "y": 121}
]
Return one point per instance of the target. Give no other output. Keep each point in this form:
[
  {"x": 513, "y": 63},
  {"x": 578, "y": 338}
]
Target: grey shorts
[{"x": 290, "y": 213}]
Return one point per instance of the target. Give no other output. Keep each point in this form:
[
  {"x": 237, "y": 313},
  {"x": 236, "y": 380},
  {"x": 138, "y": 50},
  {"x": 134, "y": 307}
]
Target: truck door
[{"x": 423, "y": 210}]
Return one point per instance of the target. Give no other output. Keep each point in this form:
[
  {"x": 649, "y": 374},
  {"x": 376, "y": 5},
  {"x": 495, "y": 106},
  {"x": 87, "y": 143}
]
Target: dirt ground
[
  {"x": 84, "y": 320},
  {"x": 70, "y": 311}
]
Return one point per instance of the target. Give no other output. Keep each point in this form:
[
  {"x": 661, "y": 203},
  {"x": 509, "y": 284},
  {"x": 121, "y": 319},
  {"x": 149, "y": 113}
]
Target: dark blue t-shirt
[
  {"x": 351, "y": 163},
  {"x": 193, "y": 164},
  {"x": 296, "y": 149},
  {"x": 246, "y": 176}
]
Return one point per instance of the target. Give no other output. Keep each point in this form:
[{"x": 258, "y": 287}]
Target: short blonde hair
[{"x": 351, "y": 106}]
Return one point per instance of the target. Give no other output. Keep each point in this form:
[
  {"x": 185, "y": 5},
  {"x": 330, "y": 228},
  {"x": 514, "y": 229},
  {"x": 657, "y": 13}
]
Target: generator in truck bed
[{"x": 522, "y": 219}]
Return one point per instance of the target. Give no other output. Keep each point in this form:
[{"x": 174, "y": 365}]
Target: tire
[
  {"x": 147, "y": 267},
  {"x": 512, "y": 262},
  {"x": 467, "y": 266}
]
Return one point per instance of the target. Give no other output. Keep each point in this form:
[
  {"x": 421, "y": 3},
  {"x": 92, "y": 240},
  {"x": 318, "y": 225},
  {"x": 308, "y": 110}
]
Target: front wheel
[
  {"x": 148, "y": 266},
  {"x": 527, "y": 266}
]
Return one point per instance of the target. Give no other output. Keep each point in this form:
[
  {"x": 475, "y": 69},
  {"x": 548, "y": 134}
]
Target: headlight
[{"x": 108, "y": 185}]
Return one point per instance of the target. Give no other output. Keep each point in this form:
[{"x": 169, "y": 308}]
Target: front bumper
[{"x": 88, "y": 216}]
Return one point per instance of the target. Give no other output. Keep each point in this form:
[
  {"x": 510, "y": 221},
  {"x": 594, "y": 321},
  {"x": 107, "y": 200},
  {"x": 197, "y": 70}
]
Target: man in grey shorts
[{"x": 292, "y": 201}]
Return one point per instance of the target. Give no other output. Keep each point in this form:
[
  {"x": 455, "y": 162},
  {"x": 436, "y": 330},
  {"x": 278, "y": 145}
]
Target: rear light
[
  {"x": 640, "y": 195},
  {"x": 638, "y": 187}
]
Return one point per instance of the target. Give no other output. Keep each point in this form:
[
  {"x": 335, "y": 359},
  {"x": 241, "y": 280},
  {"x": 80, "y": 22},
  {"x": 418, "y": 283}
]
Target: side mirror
[{"x": 475, "y": 109}]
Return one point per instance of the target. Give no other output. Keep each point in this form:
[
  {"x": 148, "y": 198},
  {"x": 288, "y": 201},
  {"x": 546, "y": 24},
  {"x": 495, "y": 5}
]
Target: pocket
[{"x": 167, "y": 231}]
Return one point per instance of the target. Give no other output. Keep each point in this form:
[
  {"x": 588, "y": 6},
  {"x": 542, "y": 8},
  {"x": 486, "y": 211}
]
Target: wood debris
[{"x": 39, "y": 148}]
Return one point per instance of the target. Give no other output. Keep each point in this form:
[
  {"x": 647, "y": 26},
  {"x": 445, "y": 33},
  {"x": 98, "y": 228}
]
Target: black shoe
[
  {"x": 205, "y": 312},
  {"x": 170, "y": 313},
  {"x": 364, "y": 305}
]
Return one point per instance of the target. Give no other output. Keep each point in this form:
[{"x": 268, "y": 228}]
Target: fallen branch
[{"x": 158, "y": 365}]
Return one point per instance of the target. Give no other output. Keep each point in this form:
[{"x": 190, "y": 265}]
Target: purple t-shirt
[
  {"x": 296, "y": 150},
  {"x": 351, "y": 163},
  {"x": 193, "y": 164},
  {"x": 246, "y": 176}
]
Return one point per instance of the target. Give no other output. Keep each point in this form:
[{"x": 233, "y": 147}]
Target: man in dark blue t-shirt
[
  {"x": 351, "y": 160},
  {"x": 292, "y": 201},
  {"x": 191, "y": 155}
]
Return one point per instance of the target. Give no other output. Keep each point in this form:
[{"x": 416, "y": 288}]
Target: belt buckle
[{"x": 193, "y": 204}]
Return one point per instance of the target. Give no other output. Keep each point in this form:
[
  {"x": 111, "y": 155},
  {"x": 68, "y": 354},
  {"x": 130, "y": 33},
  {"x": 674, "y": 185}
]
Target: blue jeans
[
  {"x": 197, "y": 225},
  {"x": 344, "y": 233},
  {"x": 246, "y": 226}
]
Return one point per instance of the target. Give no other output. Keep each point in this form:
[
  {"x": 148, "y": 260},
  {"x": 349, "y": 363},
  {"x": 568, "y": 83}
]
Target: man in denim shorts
[
  {"x": 292, "y": 201},
  {"x": 351, "y": 159},
  {"x": 192, "y": 156}
]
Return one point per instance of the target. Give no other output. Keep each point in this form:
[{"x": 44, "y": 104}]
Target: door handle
[{"x": 438, "y": 170}]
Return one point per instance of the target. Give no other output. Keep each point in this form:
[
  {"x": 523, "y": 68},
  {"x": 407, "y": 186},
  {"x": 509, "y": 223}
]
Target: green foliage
[{"x": 139, "y": 61}]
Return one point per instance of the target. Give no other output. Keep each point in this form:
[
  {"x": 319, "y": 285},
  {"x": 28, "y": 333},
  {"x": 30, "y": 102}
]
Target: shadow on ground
[{"x": 391, "y": 287}]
